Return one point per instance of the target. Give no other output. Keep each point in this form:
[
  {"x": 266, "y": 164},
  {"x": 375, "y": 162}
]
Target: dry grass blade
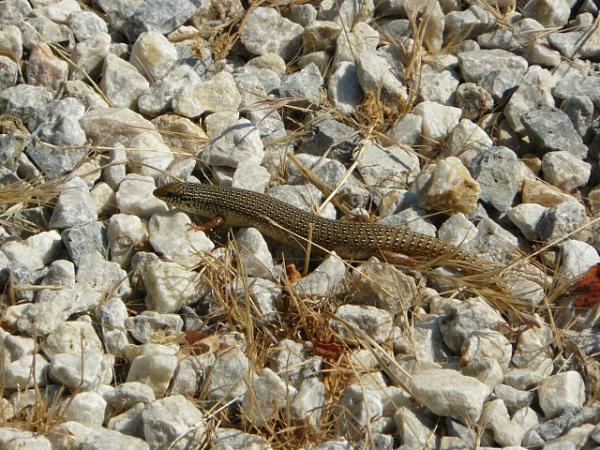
[
  {"x": 387, "y": 363},
  {"x": 16, "y": 197},
  {"x": 65, "y": 56},
  {"x": 501, "y": 14},
  {"x": 222, "y": 36},
  {"x": 42, "y": 412},
  {"x": 546, "y": 247},
  {"x": 413, "y": 57},
  {"x": 487, "y": 283},
  {"x": 373, "y": 115},
  {"x": 316, "y": 181}
]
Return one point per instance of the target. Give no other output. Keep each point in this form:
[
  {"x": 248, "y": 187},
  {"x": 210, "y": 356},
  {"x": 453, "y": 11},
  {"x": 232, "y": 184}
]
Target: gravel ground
[{"x": 124, "y": 326}]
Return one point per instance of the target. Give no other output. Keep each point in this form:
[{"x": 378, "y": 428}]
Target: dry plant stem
[
  {"x": 64, "y": 55},
  {"x": 22, "y": 194},
  {"x": 316, "y": 181},
  {"x": 307, "y": 319},
  {"x": 252, "y": 311},
  {"x": 342, "y": 180},
  {"x": 308, "y": 247},
  {"x": 553, "y": 243},
  {"x": 386, "y": 362}
]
